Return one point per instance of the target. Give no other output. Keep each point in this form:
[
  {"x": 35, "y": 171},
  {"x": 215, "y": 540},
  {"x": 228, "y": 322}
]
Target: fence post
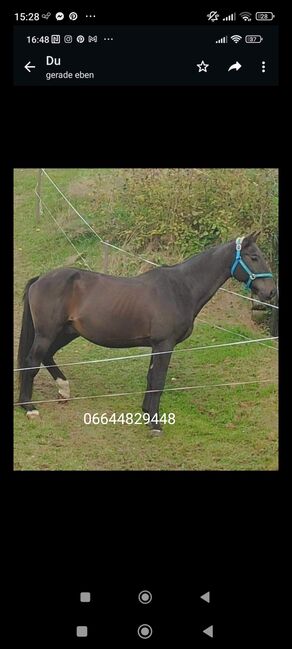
[
  {"x": 105, "y": 258},
  {"x": 38, "y": 197}
]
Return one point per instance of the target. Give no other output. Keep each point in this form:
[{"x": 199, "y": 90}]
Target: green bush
[{"x": 184, "y": 211}]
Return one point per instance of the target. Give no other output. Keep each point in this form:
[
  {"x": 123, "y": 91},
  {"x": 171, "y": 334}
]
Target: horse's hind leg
[
  {"x": 158, "y": 376},
  {"x": 147, "y": 398},
  {"x": 35, "y": 357},
  {"x": 62, "y": 340}
]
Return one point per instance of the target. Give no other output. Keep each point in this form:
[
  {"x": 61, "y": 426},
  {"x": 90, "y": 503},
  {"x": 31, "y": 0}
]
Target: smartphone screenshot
[{"x": 144, "y": 468}]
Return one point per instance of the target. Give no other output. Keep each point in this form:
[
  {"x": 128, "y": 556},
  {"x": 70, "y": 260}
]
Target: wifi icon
[
  {"x": 236, "y": 38},
  {"x": 246, "y": 16}
]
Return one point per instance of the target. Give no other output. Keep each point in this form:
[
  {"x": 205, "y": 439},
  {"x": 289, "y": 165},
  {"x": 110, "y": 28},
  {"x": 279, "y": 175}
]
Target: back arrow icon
[
  {"x": 235, "y": 66},
  {"x": 29, "y": 67},
  {"x": 209, "y": 631}
]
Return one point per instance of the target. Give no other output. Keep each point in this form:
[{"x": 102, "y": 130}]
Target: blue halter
[{"x": 239, "y": 262}]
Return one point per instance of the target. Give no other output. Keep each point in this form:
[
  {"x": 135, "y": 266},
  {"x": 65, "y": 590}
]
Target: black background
[{"x": 177, "y": 534}]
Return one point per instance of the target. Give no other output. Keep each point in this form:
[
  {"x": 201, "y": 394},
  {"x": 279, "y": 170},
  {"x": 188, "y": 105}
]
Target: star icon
[{"x": 202, "y": 66}]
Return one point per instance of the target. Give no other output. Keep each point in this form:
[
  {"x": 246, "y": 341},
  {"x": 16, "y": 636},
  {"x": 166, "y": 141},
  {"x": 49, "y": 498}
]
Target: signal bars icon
[
  {"x": 230, "y": 17},
  {"x": 224, "y": 39}
]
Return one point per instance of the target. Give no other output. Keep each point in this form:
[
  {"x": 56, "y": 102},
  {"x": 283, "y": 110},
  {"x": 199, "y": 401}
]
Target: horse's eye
[{"x": 254, "y": 258}]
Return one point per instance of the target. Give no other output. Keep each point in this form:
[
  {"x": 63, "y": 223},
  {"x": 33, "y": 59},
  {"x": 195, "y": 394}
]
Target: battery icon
[
  {"x": 264, "y": 16},
  {"x": 253, "y": 38}
]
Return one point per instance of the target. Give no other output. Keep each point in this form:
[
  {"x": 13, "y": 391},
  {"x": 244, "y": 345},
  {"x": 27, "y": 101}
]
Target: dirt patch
[
  {"x": 80, "y": 188},
  {"x": 102, "y": 186}
]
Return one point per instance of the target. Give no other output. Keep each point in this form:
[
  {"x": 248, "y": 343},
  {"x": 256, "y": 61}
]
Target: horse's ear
[
  {"x": 250, "y": 238},
  {"x": 255, "y": 235}
]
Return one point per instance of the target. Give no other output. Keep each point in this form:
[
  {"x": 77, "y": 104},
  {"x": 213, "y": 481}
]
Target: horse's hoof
[
  {"x": 62, "y": 399},
  {"x": 156, "y": 432},
  {"x": 64, "y": 389},
  {"x": 32, "y": 414}
]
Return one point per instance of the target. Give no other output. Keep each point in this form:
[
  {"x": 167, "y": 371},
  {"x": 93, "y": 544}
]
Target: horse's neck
[{"x": 205, "y": 273}]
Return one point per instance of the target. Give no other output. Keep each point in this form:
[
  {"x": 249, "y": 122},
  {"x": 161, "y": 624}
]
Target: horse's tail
[{"x": 27, "y": 332}]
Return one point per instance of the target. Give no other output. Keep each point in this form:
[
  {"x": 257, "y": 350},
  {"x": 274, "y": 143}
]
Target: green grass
[{"x": 224, "y": 428}]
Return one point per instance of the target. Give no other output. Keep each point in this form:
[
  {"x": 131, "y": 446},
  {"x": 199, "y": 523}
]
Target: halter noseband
[{"x": 239, "y": 262}]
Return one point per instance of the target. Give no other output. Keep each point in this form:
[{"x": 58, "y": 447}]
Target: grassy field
[{"x": 217, "y": 428}]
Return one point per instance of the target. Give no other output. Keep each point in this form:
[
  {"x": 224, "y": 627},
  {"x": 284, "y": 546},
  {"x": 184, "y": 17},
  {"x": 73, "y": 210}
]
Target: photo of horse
[{"x": 143, "y": 291}]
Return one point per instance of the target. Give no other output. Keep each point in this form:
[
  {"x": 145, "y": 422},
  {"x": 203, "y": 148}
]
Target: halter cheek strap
[{"x": 239, "y": 262}]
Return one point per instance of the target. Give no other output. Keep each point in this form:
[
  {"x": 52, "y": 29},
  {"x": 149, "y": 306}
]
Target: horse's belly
[
  {"x": 113, "y": 328},
  {"x": 185, "y": 333}
]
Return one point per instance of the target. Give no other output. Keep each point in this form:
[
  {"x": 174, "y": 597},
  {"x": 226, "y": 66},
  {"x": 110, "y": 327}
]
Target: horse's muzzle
[{"x": 272, "y": 293}]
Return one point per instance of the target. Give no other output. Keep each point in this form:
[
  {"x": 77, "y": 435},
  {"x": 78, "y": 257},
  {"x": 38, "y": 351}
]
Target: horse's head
[{"x": 250, "y": 267}]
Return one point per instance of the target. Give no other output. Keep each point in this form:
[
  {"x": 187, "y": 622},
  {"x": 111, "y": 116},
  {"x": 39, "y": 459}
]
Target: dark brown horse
[{"x": 156, "y": 309}]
